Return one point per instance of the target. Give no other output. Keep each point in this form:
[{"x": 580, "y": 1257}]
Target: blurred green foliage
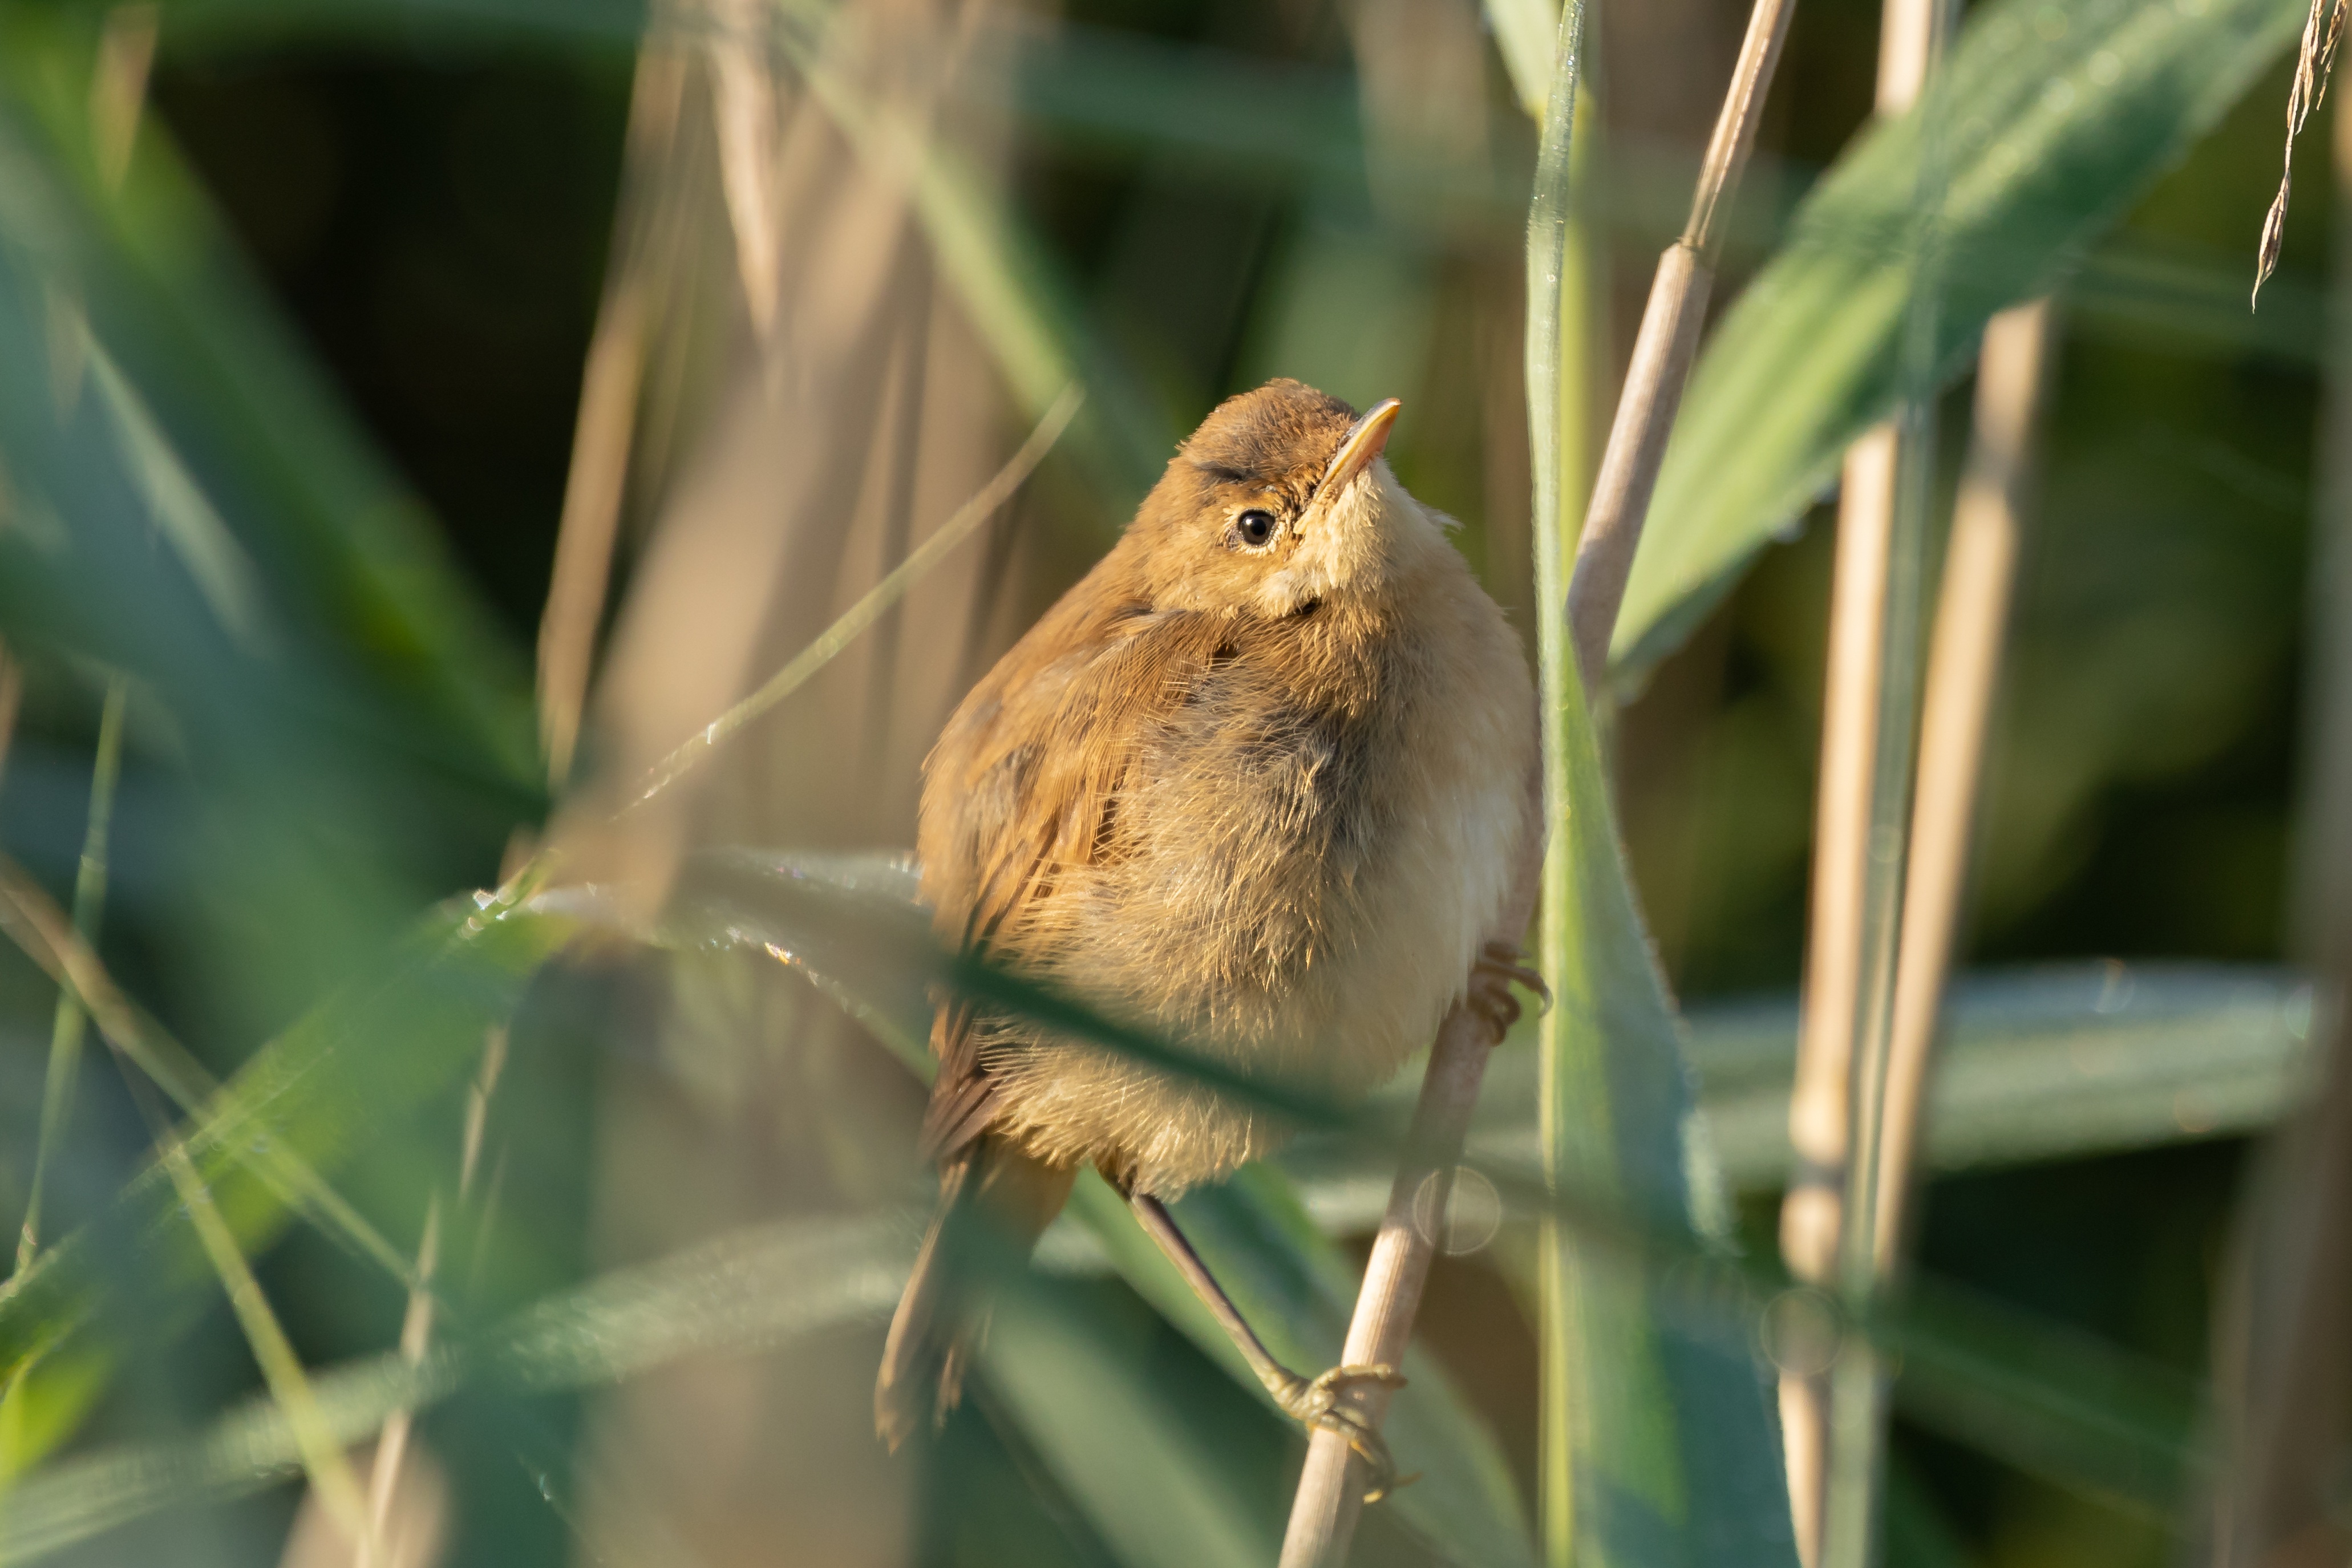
[{"x": 284, "y": 428}]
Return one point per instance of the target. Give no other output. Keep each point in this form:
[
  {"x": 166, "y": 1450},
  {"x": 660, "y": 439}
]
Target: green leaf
[
  {"x": 1658, "y": 1447},
  {"x": 2063, "y": 1063},
  {"x": 2048, "y": 123}
]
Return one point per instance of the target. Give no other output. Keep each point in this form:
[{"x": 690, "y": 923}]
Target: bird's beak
[{"x": 1363, "y": 442}]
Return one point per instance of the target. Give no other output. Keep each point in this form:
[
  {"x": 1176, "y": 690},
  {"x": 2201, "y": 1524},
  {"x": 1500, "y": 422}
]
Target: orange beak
[{"x": 1364, "y": 441}]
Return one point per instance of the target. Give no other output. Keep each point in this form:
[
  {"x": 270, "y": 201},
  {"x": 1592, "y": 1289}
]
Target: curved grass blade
[
  {"x": 852, "y": 925},
  {"x": 2052, "y": 122}
]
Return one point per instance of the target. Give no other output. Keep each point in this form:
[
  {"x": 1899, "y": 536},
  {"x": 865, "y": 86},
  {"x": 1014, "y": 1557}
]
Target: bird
[{"x": 1256, "y": 783}]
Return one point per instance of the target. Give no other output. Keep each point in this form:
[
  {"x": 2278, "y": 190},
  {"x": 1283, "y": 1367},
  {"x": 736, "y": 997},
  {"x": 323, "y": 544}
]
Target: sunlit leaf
[{"x": 2048, "y": 123}]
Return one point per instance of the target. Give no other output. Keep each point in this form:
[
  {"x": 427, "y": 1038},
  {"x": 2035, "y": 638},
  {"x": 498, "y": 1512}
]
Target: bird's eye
[{"x": 1254, "y": 527}]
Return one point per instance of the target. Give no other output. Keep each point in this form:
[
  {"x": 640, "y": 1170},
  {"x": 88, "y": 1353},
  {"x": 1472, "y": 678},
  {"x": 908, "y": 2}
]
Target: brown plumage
[{"x": 1257, "y": 782}]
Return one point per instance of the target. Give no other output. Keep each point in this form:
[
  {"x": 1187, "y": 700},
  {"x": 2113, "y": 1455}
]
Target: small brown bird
[{"x": 1256, "y": 783}]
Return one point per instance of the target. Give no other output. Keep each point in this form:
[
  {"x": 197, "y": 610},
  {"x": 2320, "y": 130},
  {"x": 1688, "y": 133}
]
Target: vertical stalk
[
  {"x": 1560, "y": 373},
  {"x": 1830, "y": 1421},
  {"x": 1331, "y": 1488},
  {"x": 601, "y": 439},
  {"x": 1963, "y": 666},
  {"x": 2283, "y": 1370}
]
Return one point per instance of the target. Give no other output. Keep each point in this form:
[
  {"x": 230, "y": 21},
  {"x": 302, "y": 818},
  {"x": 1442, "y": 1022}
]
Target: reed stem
[
  {"x": 1330, "y": 1494},
  {"x": 610, "y": 382},
  {"x": 1963, "y": 666},
  {"x": 1662, "y": 350},
  {"x": 1832, "y": 1420}
]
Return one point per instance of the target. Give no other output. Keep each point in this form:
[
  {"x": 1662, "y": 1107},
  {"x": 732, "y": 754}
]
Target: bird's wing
[{"x": 1025, "y": 784}]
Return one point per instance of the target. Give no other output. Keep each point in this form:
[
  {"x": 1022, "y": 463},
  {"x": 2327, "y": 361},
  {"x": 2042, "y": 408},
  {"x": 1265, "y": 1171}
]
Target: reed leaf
[
  {"x": 1657, "y": 1444},
  {"x": 2052, "y": 123}
]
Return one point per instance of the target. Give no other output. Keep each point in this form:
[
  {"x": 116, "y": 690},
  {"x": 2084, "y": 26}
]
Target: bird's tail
[{"x": 990, "y": 1195}]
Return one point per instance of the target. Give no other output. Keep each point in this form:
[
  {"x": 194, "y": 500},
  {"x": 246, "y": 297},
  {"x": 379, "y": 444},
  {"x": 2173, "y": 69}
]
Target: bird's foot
[
  {"x": 1491, "y": 978},
  {"x": 1321, "y": 1402}
]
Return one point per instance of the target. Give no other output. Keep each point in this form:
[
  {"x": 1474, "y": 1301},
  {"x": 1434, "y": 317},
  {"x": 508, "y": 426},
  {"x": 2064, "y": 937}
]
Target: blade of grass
[
  {"x": 1649, "y": 1433},
  {"x": 2051, "y": 1400},
  {"x": 1526, "y": 34},
  {"x": 2039, "y": 1065},
  {"x": 416, "y": 1324},
  {"x": 66, "y": 1029},
  {"x": 289, "y": 1389}
]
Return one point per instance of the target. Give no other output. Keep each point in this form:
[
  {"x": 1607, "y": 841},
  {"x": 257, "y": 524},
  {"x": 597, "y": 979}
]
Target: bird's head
[{"x": 1280, "y": 501}]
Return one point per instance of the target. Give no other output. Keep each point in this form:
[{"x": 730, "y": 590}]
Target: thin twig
[
  {"x": 1330, "y": 1495},
  {"x": 1963, "y": 665},
  {"x": 869, "y": 609},
  {"x": 67, "y": 1026},
  {"x": 1662, "y": 350}
]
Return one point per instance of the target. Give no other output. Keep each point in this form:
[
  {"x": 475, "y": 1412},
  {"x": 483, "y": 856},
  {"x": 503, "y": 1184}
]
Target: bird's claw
[
  {"x": 1491, "y": 978},
  {"x": 1318, "y": 1402}
]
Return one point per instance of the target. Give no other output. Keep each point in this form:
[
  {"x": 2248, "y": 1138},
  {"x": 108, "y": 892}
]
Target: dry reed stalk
[
  {"x": 2282, "y": 1357},
  {"x": 1849, "y": 957},
  {"x": 1820, "y": 1106},
  {"x": 1963, "y": 666},
  {"x": 744, "y": 107},
  {"x": 1662, "y": 350},
  {"x": 610, "y": 384},
  {"x": 1330, "y": 1495}
]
